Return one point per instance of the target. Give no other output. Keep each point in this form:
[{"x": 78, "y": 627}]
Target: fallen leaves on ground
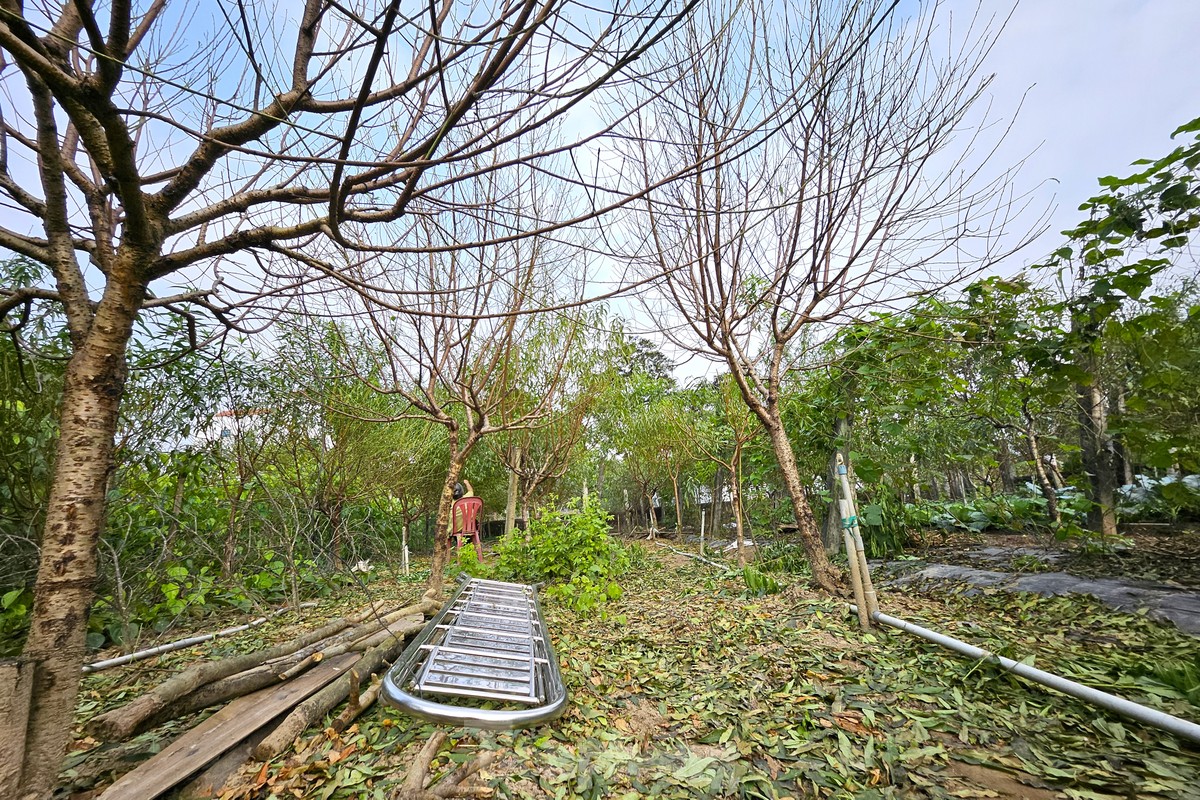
[{"x": 686, "y": 688}]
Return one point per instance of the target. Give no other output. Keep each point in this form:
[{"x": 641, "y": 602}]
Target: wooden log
[
  {"x": 322, "y": 649},
  {"x": 360, "y": 704},
  {"x": 221, "y": 732},
  {"x": 321, "y": 703},
  {"x": 217, "y": 692},
  {"x": 417, "y": 779},
  {"x": 400, "y": 629},
  {"x": 16, "y": 692},
  {"x": 120, "y": 723},
  {"x": 398, "y": 623}
]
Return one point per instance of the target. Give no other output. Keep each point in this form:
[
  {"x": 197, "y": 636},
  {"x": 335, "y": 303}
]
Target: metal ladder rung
[
  {"x": 473, "y": 629},
  {"x": 493, "y": 608},
  {"x": 522, "y": 674},
  {"x": 478, "y": 641},
  {"x": 468, "y": 651},
  {"x": 460, "y": 691},
  {"x": 481, "y": 613},
  {"x": 512, "y": 627},
  {"x": 484, "y": 582},
  {"x": 516, "y": 603}
]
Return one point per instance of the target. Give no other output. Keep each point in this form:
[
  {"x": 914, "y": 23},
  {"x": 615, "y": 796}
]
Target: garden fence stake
[
  {"x": 864, "y": 615},
  {"x": 859, "y": 553}
]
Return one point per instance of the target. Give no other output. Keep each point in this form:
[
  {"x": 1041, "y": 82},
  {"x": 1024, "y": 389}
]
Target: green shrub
[
  {"x": 759, "y": 583},
  {"x": 571, "y": 548},
  {"x": 467, "y": 561}
]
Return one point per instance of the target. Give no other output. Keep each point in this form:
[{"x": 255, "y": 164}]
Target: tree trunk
[
  {"x": 953, "y": 487},
  {"x": 1008, "y": 473},
  {"x": 1097, "y": 460},
  {"x": 824, "y": 573},
  {"x": 1056, "y": 476},
  {"x": 736, "y": 492},
  {"x": 405, "y": 557},
  {"x": 441, "y": 530},
  {"x": 1039, "y": 470},
  {"x": 337, "y": 526},
  {"x": 56, "y": 646},
  {"x": 229, "y": 551},
  {"x": 718, "y": 493},
  {"x": 1123, "y": 461},
  {"x": 510, "y": 508},
  {"x": 678, "y": 506},
  {"x": 176, "y": 510}
]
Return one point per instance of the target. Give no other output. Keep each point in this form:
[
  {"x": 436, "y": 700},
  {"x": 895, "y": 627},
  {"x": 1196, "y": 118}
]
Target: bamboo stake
[
  {"x": 860, "y": 553},
  {"x": 864, "y": 618}
]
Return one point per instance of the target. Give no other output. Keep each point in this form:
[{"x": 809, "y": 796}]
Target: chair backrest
[{"x": 464, "y": 517}]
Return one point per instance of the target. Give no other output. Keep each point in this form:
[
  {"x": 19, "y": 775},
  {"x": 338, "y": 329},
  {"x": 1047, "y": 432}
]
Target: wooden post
[{"x": 16, "y": 691}]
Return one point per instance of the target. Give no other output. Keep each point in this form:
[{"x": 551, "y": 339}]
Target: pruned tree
[
  {"x": 541, "y": 452},
  {"x": 854, "y": 203},
  {"x": 145, "y": 149},
  {"x": 452, "y": 353}
]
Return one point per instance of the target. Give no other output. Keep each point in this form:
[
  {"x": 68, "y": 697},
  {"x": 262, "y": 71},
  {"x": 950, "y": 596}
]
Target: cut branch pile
[{"x": 290, "y": 687}]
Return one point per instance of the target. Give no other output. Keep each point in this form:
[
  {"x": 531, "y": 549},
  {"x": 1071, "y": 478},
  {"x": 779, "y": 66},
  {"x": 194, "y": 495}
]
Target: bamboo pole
[
  {"x": 864, "y": 615},
  {"x": 860, "y": 553}
]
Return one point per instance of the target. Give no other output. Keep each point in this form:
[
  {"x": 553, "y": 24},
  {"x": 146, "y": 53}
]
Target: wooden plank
[
  {"x": 206, "y": 742},
  {"x": 16, "y": 692}
]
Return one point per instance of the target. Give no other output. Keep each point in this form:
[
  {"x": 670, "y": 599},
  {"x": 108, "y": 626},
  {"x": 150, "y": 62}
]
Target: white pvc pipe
[
  {"x": 693, "y": 555},
  {"x": 179, "y": 644},
  {"x": 1158, "y": 719}
]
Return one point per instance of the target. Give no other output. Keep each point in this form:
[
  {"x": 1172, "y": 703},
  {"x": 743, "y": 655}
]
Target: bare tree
[
  {"x": 143, "y": 146},
  {"x": 453, "y": 352},
  {"x": 538, "y": 455},
  {"x": 855, "y": 203}
]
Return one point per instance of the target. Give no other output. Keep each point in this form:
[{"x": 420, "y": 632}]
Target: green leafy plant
[
  {"x": 14, "y": 618},
  {"x": 466, "y": 561},
  {"x": 759, "y": 583},
  {"x": 570, "y": 547}
]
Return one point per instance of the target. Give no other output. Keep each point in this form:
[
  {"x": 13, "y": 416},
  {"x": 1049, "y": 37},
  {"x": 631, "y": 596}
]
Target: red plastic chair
[{"x": 464, "y": 522}]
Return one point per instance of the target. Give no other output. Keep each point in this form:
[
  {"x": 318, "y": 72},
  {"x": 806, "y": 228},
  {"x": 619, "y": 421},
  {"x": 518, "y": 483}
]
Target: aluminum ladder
[{"x": 486, "y": 644}]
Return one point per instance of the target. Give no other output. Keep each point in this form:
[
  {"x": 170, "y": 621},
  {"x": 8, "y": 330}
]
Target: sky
[
  {"x": 1089, "y": 86},
  {"x": 1105, "y": 82}
]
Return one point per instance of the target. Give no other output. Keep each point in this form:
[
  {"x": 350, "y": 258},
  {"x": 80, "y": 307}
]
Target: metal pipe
[{"x": 1158, "y": 719}]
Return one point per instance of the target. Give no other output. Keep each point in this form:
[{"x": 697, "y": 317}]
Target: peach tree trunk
[
  {"x": 824, "y": 573},
  {"x": 441, "y": 531},
  {"x": 63, "y": 594}
]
